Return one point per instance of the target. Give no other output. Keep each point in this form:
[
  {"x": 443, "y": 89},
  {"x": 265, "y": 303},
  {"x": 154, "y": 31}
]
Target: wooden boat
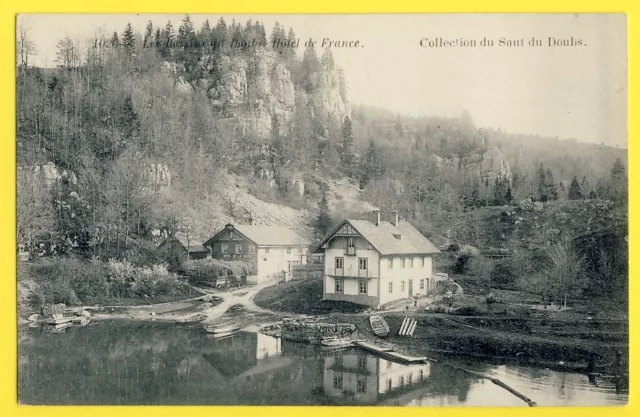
[
  {"x": 221, "y": 329},
  {"x": 196, "y": 318},
  {"x": 335, "y": 342},
  {"x": 82, "y": 321},
  {"x": 379, "y": 326},
  {"x": 223, "y": 335},
  {"x": 60, "y": 320},
  {"x": 62, "y": 326}
]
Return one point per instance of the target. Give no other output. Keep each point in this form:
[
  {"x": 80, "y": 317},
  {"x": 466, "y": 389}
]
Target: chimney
[
  {"x": 376, "y": 212},
  {"x": 395, "y": 217}
]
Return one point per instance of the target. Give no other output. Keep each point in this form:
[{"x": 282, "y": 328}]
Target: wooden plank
[{"x": 412, "y": 329}]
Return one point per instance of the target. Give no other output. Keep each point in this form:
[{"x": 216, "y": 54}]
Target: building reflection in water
[
  {"x": 246, "y": 354},
  {"x": 357, "y": 377}
]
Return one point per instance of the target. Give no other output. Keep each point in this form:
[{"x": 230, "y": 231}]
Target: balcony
[{"x": 351, "y": 251}]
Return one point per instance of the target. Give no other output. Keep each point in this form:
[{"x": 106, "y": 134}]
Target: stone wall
[{"x": 314, "y": 332}]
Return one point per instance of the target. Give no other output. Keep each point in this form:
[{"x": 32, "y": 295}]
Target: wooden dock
[{"x": 388, "y": 353}]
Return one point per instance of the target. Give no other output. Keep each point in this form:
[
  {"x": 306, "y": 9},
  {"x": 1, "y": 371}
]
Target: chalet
[
  {"x": 180, "y": 247},
  {"x": 374, "y": 263},
  {"x": 273, "y": 249}
]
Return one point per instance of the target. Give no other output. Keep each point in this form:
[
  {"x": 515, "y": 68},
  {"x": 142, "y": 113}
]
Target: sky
[{"x": 575, "y": 92}]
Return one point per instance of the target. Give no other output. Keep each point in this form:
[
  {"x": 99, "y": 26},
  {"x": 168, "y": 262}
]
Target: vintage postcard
[{"x": 323, "y": 210}]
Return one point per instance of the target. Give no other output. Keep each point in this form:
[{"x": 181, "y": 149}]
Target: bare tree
[
  {"x": 35, "y": 212},
  {"x": 68, "y": 55},
  {"x": 566, "y": 269},
  {"x": 25, "y": 46}
]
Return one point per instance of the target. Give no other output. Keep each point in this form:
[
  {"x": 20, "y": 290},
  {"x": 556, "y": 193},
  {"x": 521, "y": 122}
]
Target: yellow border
[{"x": 8, "y": 377}]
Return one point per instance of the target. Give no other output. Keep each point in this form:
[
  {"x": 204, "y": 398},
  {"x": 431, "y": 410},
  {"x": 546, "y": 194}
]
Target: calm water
[{"x": 160, "y": 363}]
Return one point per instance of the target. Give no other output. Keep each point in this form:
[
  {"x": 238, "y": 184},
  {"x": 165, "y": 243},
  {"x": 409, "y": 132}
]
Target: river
[{"x": 152, "y": 363}]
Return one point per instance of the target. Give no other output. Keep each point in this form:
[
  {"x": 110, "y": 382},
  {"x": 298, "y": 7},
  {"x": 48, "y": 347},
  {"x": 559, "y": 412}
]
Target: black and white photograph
[{"x": 322, "y": 210}]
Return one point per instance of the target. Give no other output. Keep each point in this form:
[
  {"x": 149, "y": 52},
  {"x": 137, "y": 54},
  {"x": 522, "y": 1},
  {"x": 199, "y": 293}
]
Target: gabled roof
[
  {"x": 384, "y": 238},
  {"x": 194, "y": 245},
  {"x": 267, "y": 235}
]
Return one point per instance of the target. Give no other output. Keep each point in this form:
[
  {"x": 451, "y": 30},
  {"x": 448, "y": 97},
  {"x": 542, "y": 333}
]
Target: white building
[
  {"x": 273, "y": 250},
  {"x": 374, "y": 263}
]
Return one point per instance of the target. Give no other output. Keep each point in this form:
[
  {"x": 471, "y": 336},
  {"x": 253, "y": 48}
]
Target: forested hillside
[{"x": 183, "y": 128}]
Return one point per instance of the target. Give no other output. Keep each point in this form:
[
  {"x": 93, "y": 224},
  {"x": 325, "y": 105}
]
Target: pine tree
[
  {"x": 310, "y": 66},
  {"x": 371, "y": 166},
  {"x": 205, "y": 33},
  {"x": 220, "y": 34},
  {"x": 157, "y": 41},
  {"x": 541, "y": 180},
  {"x": 115, "y": 41},
  {"x": 327, "y": 60},
  {"x": 291, "y": 53},
  {"x": 346, "y": 154},
  {"x": 551, "y": 186},
  {"x": 584, "y": 186},
  {"x": 148, "y": 35},
  {"x": 168, "y": 35},
  {"x": 275, "y": 33},
  {"x": 324, "y": 221},
  {"x": 128, "y": 38},
  {"x": 618, "y": 182},
  {"x": 186, "y": 33},
  {"x": 575, "y": 192},
  {"x": 261, "y": 33}
]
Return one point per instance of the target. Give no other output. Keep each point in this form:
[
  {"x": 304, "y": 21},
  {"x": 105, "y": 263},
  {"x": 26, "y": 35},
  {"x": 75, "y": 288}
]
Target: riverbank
[{"x": 509, "y": 333}]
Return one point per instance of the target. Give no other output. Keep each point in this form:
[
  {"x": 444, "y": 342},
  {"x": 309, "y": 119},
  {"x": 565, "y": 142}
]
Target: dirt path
[{"x": 241, "y": 296}]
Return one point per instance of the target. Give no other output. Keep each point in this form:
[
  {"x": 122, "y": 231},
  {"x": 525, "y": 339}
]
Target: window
[
  {"x": 421, "y": 374},
  {"x": 238, "y": 249},
  {"x": 362, "y": 385},
  {"x": 339, "y": 286},
  {"x": 422, "y": 284},
  {"x": 390, "y": 287},
  {"x": 401, "y": 286},
  {"x": 389, "y": 384},
  {"x": 230, "y": 235},
  {"x": 410, "y": 378},
  {"x": 225, "y": 248},
  {"x": 340, "y": 263},
  {"x": 362, "y": 362},
  {"x": 350, "y": 243},
  {"x": 401, "y": 381},
  {"x": 362, "y": 287},
  {"x": 252, "y": 249},
  {"x": 390, "y": 263},
  {"x": 423, "y": 261},
  {"x": 411, "y": 262},
  {"x": 404, "y": 262},
  {"x": 337, "y": 381},
  {"x": 266, "y": 250},
  {"x": 288, "y": 251},
  {"x": 362, "y": 264}
]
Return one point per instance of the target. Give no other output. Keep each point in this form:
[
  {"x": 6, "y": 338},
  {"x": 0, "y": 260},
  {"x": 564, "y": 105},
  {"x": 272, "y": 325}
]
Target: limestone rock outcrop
[
  {"x": 255, "y": 95},
  {"x": 488, "y": 166}
]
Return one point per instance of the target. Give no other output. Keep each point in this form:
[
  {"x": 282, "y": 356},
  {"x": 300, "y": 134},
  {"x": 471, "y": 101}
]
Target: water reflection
[
  {"x": 160, "y": 363},
  {"x": 360, "y": 378}
]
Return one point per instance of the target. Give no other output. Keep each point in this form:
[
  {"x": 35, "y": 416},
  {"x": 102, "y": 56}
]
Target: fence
[{"x": 307, "y": 271}]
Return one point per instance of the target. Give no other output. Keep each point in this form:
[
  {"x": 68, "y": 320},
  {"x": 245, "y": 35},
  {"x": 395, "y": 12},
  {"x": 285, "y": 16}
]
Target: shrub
[{"x": 74, "y": 281}]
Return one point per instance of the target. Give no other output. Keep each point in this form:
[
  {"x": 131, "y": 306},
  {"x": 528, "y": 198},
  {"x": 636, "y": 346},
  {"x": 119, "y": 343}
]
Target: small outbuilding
[{"x": 180, "y": 247}]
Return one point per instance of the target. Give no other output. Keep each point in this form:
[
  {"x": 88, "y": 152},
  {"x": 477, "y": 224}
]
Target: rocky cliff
[
  {"x": 256, "y": 94},
  {"x": 488, "y": 166}
]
